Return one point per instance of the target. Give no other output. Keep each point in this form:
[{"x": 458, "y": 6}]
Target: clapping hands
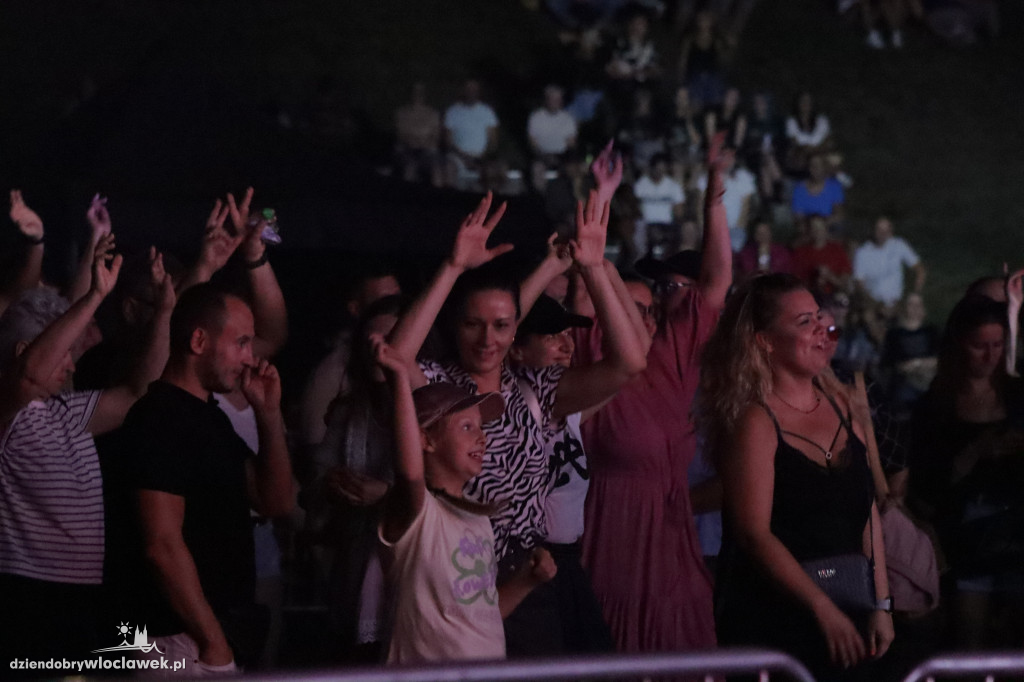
[{"x": 98, "y": 217}]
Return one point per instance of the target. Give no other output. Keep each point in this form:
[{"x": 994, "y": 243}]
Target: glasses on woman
[{"x": 670, "y": 287}]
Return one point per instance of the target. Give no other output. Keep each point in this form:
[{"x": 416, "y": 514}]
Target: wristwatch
[{"x": 884, "y": 604}]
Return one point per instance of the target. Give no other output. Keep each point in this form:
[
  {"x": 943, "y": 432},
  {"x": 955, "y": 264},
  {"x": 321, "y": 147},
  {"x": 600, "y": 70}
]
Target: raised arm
[
  {"x": 410, "y": 488},
  {"x": 99, "y": 226},
  {"x": 272, "y": 469},
  {"x": 31, "y": 228},
  {"x": 748, "y": 478},
  {"x": 268, "y": 307},
  {"x": 716, "y": 266},
  {"x": 557, "y": 261},
  {"x": 1014, "y": 297},
  {"x": 216, "y": 249},
  {"x": 469, "y": 251},
  {"x": 115, "y": 402},
  {"x": 35, "y": 365},
  {"x": 582, "y": 387},
  {"x": 607, "y": 170}
]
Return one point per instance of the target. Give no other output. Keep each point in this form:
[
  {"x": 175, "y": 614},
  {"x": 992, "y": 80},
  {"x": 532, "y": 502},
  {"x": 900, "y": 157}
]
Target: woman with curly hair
[{"x": 796, "y": 482}]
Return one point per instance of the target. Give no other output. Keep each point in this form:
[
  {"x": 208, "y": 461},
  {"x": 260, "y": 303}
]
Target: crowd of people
[{"x": 660, "y": 438}]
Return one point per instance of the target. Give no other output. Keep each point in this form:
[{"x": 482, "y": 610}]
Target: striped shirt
[{"x": 51, "y": 492}]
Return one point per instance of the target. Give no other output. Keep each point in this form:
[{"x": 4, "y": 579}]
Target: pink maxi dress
[{"x": 640, "y": 544}]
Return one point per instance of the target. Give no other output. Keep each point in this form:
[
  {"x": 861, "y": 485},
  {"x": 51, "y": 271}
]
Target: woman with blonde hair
[{"x": 796, "y": 481}]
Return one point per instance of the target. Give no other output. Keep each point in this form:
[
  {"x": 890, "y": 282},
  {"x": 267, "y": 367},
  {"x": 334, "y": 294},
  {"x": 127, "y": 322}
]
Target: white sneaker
[
  {"x": 875, "y": 41},
  {"x": 897, "y": 39}
]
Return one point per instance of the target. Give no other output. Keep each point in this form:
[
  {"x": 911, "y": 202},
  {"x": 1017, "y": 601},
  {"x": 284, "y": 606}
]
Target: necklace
[{"x": 817, "y": 401}]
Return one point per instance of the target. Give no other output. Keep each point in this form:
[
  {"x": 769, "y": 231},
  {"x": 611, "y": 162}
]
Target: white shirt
[
  {"x": 551, "y": 132},
  {"x": 657, "y": 199},
  {"x": 880, "y": 268},
  {"x": 564, "y": 506},
  {"x": 739, "y": 186},
  {"x": 468, "y": 126},
  {"x": 818, "y": 134}
]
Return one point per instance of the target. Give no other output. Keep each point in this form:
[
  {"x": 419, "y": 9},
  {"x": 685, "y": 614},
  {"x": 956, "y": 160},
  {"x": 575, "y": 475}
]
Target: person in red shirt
[{"x": 823, "y": 264}]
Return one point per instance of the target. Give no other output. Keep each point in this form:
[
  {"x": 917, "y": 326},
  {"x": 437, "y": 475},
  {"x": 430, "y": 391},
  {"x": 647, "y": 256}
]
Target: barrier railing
[
  {"x": 701, "y": 664},
  {"x": 983, "y": 665}
]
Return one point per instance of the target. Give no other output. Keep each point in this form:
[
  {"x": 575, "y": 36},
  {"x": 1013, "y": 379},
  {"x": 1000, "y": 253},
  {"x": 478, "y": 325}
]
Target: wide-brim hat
[{"x": 438, "y": 400}]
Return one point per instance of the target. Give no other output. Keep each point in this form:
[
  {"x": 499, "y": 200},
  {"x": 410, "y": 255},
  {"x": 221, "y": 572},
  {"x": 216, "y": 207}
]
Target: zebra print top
[{"x": 517, "y": 474}]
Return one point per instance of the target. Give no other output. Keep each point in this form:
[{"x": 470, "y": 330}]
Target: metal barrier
[
  {"x": 989, "y": 664},
  {"x": 701, "y": 664}
]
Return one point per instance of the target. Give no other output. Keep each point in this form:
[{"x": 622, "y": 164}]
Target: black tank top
[{"x": 820, "y": 510}]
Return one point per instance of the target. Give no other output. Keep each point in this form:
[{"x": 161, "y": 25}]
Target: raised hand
[
  {"x": 389, "y": 359},
  {"x": 261, "y": 386},
  {"x": 559, "y": 253},
  {"x": 98, "y": 217},
  {"x": 607, "y": 170},
  {"x": 591, "y": 232},
  {"x": 250, "y": 230},
  {"x": 1014, "y": 297},
  {"x": 1015, "y": 288},
  {"x": 218, "y": 245},
  {"x": 104, "y": 276},
  {"x": 719, "y": 163},
  {"x": 27, "y": 220},
  {"x": 470, "y": 249},
  {"x": 160, "y": 283}
]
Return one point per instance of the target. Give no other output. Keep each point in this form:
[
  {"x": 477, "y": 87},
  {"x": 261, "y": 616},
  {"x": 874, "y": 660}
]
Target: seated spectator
[
  {"x": 471, "y": 138},
  {"x": 634, "y": 59},
  {"x": 728, "y": 119},
  {"x": 822, "y": 264},
  {"x": 661, "y": 203},
  {"x": 855, "y": 350},
  {"x": 909, "y": 356},
  {"x": 740, "y": 195},
  {"x": 552, "y": 132},
  {"x": 878, "y": 266},
  {"x": 765, "y": 135},
  {"x": 761, "y": 255},
  {"x": 641, "y": 131},
  {"x": 418, "y": 148},
  {"x": 893, "y": 12},
  {"x": 808, "y": 132},
  {"x": 820, "y": 194},
  {"x": 682, "y": 136},
  {"x": 700, "y": 62}
]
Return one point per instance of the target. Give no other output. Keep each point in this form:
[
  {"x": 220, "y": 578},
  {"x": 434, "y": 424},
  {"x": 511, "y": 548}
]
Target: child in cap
[{"x": 443, "y": 569}]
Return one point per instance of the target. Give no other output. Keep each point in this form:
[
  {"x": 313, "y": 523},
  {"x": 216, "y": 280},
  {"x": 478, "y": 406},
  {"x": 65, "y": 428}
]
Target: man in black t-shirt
[{"x": 191, "y": 480}]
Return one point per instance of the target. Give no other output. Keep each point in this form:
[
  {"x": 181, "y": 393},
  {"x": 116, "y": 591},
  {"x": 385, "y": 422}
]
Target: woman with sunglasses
[
  {"x": 640, "y": 543},
  {"x": 796, "y": 482}
]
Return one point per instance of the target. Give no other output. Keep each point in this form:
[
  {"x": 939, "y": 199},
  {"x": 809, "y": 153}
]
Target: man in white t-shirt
[
  {"x": 552, "y": 132},
  {"x": 740, "y": 190},
  {"x": 661, "y": 205},
  {"x": 471, "y": 134},
  {"x": 878, "y": 265}
]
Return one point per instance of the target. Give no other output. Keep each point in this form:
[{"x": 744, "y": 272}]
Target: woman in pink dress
[{"x": 640, "y": 542}]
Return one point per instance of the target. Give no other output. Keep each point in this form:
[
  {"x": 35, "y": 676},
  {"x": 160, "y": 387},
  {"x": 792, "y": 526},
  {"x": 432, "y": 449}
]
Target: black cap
[
  {"x": 548, "y": 317},
  {"x": 685, "y": 263}
]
